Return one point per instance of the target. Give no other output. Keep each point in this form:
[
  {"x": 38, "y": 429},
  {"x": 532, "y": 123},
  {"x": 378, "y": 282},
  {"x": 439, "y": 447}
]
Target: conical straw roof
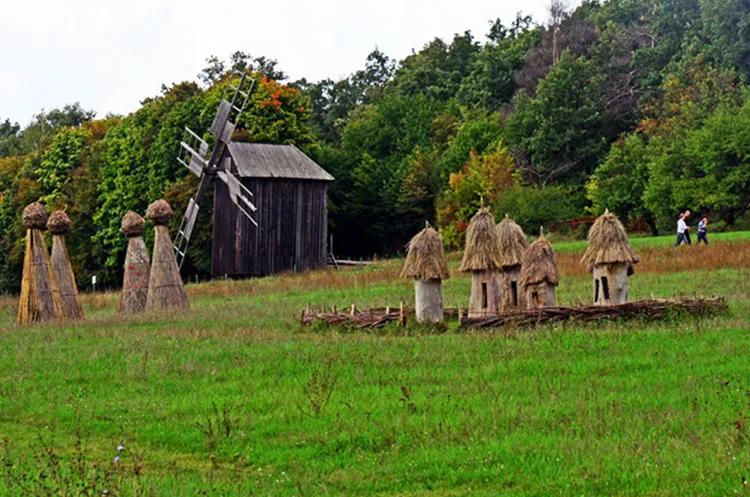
[
  {"x": 481, "y": 252},
  {"x": 512, "y": 241},
  {"x": 539, "y": 264},
  {"x": 608, "y": 243},
  {"x": 426, "y": 259}
]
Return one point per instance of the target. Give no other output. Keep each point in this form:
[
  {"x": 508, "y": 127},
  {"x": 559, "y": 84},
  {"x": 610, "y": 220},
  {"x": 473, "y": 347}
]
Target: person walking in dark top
[{"x": 703, "y": 230}]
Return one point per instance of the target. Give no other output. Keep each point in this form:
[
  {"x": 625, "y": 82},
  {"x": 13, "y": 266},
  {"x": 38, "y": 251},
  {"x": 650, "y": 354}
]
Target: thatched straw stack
[
  {"x": 610, "y": 258},
  {"x": 34, "y": 216},
  {"x": 482, "y": 260},
  {"x": 59, "y": 224},
  {"x": 137, "y": 266},
  {"x": 539, "y": 274},
  {"x": 426, "y": 258},
  {"x": 481, "y": 249},
  {"x": 40, "y": 293},
  {"x": 165, "y": 287},
  {"x": 132, "y": 224},
  {"x": 608, "y": 243},
  {"x": 512, "y": 242},
  {"x": 159, "y": 213},
  {"x": 425, "y": 263}
]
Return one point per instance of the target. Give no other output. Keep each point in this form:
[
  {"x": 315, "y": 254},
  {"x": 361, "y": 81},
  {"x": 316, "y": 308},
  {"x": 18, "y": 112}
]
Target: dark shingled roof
[{"x": 261, "y": 160}]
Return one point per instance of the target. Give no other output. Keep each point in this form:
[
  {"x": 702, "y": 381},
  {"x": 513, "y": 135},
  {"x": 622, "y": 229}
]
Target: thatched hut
[
  {"x": 610, "y": 258},
  {"x": 482, "y": 260},
  {"x": 137, "y": 266},
  {"x": 40, "y": 293},
  {"x": 59, "y": 225},
  {"x": 165, "y": 287},
  {"x": 512, "y": 245},
  {"x": 425, "y": 263},
  {"x": 539, "y": 274}
]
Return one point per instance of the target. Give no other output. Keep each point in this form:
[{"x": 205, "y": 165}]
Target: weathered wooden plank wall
[{"x": 292, "y": 232}]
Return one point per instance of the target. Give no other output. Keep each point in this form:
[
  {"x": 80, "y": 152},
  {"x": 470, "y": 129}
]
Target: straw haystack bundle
[
  {"x": 34, "y": 216},
  {"x": 59, "y": 224},
  {"x": 165, "y": 287},
  {"x": 481, "y": 251},
  {"x": 608, "y": 243},
  {"x": 137, "y": 266},
  {"x": 512, "y": 242},
  {"x": 539, "y": 275},
  {"x": 132, "y": 224},
  {"x": 40, "y": 293},
  {"x": 539, "y": 264},
  {"x": 159, "y": 213},
  {"x": 426, "y": 258}
]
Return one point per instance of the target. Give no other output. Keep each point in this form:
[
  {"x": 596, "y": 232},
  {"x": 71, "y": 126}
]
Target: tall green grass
[{"x": 234, "y": 398}]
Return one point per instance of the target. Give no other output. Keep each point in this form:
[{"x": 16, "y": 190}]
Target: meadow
[{"x": 235, "y": 398}]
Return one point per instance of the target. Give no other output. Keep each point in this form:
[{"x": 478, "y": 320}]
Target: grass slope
[{"x": 234, "y": 398}]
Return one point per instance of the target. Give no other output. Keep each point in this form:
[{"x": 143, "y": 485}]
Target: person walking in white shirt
[{"x": 683, "y": 236}]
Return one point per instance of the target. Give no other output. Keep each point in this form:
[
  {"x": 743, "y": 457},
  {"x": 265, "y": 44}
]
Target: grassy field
[{"x": 234, "y": 398}]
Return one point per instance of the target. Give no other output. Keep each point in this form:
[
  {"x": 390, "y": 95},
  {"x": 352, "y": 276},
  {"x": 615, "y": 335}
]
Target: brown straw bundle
[
  {"x": 132, "y": 224},
  {"x": 59, "y": 223},
  {"x": 481, "y": 252},
  {"x": 426, "y": 259},
  {"x": 159, "y": 213},
  {"x": 539, "y": 264},
  {"x": 34, "y": 216},
  {"x": 512, "y": 241},
  {"x": 608, "y": 243}
]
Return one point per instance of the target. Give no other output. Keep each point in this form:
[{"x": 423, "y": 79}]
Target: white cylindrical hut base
[
  {"x": 540, "y": 295},
  {"x": 610, "y": 284},
  {"x": 428, "y": 300},
  {"x": 485, "y": 294}
]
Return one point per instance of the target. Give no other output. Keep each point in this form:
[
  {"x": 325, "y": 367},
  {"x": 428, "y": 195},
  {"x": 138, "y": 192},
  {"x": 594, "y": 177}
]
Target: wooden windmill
[{"x": 207, "y": 165}]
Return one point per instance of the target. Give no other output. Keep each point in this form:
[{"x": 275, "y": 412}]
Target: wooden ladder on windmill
[{"x": 194, "y": 155}]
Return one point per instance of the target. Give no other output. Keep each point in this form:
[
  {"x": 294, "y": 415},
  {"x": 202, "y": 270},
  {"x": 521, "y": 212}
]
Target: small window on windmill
[
  {"x": 596, "y": 290},
  {"x": 605, "y": 287},
  {"x": 514, "y": 291},
  {"x": 484, "y": 295}
]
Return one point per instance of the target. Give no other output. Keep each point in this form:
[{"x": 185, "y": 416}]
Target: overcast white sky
[{"x": 110, "y": 54}]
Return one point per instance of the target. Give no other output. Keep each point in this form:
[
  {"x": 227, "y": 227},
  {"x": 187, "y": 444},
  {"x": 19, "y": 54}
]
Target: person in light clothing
[
  {"x": 683, "y": 236},
  {"x": 703, "y": 230}
]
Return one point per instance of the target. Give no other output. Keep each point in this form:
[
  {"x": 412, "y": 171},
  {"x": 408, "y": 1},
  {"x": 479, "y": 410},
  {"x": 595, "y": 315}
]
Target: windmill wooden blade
[
  {"x": 187, "y": 224},
  {"x": 194, "y": 160},
  {"x": 195, "y": 156},
  {"x": 239, "y": 195}
]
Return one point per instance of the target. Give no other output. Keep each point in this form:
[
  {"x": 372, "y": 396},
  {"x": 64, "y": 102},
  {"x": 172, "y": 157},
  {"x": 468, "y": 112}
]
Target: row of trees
[{"x": 635, "y": 105}]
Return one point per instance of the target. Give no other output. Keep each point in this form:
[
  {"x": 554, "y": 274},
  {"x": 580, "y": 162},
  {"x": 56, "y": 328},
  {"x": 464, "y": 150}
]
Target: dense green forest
[{"x": 639, "y": 106}]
